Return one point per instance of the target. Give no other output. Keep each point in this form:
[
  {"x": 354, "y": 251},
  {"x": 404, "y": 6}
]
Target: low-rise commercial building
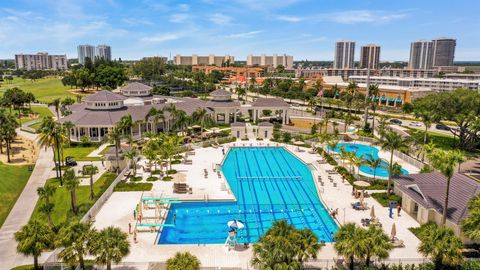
[
  {"x": 203, "y": 60},
  {"x": 232, "y": 74},
  {"x": 346, "y": 73},
  {"x": 41, "y": 61},
  {"x": 436, "y": 84}
]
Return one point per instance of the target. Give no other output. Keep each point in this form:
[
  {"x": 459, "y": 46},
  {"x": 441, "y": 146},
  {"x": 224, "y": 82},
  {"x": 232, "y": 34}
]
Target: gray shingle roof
[
  {"x": 270, "y": 102},
  {"x": 222, "y": 104},
  {"x": 428, "y": 190},
  {"x": 105, "y": 95},
  {"x": 265, "y": 124},
  {"x": 238, "y": 124},
  {"x": 135, "y": 86},
  {"x": 220, "y": 93}
]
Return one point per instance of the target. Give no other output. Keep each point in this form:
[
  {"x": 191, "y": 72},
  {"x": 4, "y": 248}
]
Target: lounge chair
[
  {"x": 397, "y": 243},
  {"x": 180, "y": 188}
]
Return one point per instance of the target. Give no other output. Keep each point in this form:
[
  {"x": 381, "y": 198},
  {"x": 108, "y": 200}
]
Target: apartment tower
[
  {"x": 104, "y": 52},
  {"x": 85, "y": 51},
  {"x": 344, "y": 55},
  {"x": 421, "y": 55},
  {"x": 370, "y": 56},
  {"x": 443, "y": 51}
]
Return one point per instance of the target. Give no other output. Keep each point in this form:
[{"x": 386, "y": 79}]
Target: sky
[{"x": 306, "y": 29}]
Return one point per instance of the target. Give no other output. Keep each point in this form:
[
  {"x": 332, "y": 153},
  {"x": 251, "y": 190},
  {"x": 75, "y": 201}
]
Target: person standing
[
  {"x": 129, "y": 228},
  {"x": 399, "y": 209}
]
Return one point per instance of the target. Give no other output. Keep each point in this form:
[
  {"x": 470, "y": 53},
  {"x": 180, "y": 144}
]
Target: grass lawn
[
  {"x": 384, "y": 199},
  {"x": 80, "y": 153},
  {"x": 122, "y": 186},
  {"x": 12, "y": 181},
  {"x": 45, "y": 90},
  {"x": 61, "y": 199}
]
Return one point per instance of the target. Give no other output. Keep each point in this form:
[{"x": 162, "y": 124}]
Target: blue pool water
[
  {"x": 270, "y": 184},
  {"x": 362, "y": 149}
]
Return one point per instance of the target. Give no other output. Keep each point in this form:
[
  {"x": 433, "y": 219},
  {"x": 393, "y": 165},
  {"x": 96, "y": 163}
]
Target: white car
[{"x": 415, "y": 124}]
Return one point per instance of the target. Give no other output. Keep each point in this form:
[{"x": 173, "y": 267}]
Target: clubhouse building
[{"x": 100, "y": 112}]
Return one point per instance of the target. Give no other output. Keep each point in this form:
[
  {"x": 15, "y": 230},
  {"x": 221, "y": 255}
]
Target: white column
[
  {"x": 140, "y": 129},
  {"x": 235, "y": 115},
  {"x": 284, "y": 112}
]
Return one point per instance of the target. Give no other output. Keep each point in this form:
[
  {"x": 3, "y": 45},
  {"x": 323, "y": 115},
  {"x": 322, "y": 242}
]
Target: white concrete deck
[{"x": 118, "y": 211}]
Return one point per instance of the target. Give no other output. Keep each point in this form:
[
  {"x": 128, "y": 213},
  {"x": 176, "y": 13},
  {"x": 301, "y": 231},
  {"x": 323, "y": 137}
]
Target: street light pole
[{"x": 367, "y": 90}]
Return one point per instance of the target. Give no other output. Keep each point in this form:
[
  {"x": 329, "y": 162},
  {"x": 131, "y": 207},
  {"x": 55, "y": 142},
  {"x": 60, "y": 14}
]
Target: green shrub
[
  {"x": 286, "y": 137},
  {"x": 156, "y": 171},
  {"x": 152, "y": 178},
  {"x": 385, "y": 200},
  {"x": 135, "y": 178},
  {"x": 172, "y": 171},
  {"x": 128, "y": 186},
  {"x": 167, "y": 178},
  {"x": 177, "y": 157},
  {"x": 176, "y": 161}
]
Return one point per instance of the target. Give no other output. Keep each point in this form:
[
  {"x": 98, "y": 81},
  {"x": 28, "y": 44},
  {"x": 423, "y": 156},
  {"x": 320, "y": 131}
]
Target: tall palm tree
[
  {"x": 115, "y": 136},
  {"x": 75, "y": 240},
  {"x": 393, "y": 142},
  {"x": 426, "y": 117},
  {"x": 357, "y": 161},
  {"x": 47, "y": 210},
  {"x": 34, "y": 238},
  {"x": 307, "y": 245},
  {"x": 349, "y": 242},
  {"x": 442, "y": 246},
  {"x": 471, "y": 225},
  {"x": 156, "y": 116},
  {"x": 45, "y": 193},
  {"x": 90, "y": 170},
  {"x": 203, "y": 117},
  {"x": 131, "y": 155},
  {"x": 8, "y": 124},
  {"x": 446, "y": 162},
  {"x": 373, "y": 163},
  {"x": 68, "y": 126},
  {"x": 56, "y": 103},
  {"x": 51, "y": 136},
  {"x": 376, "y": 243},
  {"x": 373, "y": 91},
  {"x": 72, "y": 183},
  {"x": 348, "y": 120},
  {"x": 126, "y": 124},
  {"x": 110, "y": 246},
  {"x": 183, "y": 261}
]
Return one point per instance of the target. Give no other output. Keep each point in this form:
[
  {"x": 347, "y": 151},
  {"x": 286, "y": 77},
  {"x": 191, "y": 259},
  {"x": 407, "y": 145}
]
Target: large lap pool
[
  {"x": 362, "y": 149},
  {"x": 270, "y": 184}
]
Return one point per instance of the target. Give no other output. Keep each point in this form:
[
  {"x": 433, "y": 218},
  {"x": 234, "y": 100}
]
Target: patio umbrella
[
  {"x": 361, "y": 183},
  {"x": 179, "y": 178},
  {"x": 393, "y": 233},
  {"x": 298, "y": 143},
  {"x": 196, "y": 126},
  {"x": 236, "y": 224},
  {"x": 372, "y": 212}
]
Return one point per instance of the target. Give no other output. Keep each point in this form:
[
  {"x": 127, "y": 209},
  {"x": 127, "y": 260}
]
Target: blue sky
[{"x": 306, "y": 29}]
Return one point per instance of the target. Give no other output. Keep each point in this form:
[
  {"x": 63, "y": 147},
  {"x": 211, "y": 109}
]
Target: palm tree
[
  {"x": 114, "y": 136},
  {"x": 344, "y": 154},
  {"x": 68, "y": 126},
  {"x": 426, "y": 117},
  {"x": 131, "y": 155},
  {"x": 75, "y": 240},
  {"x": 352, "y": 88},
  {"x": 377, "y": 244},
  {"x": 156, "y": 116},
  {"x": 72, "y": 183},
  {"x": 373, "y": 91},
  {"x": 446, "y": 162},
  {"x": 349, "y": 242},
  {"x": 56, "y": 103},
  {"x": 393, "y": 142},
  {"x": 126, "y": 124},
  {"x": 202, "y": 116},
  {"x": 471, "y": 225},
  {"x": 33, "y": 239},
  {"x": 241, "y": 92},
  {"x": 357, "y": 161},
  {"x": 45, "y": 193},
  {"x": 183, "y": 261},
  {"x": 51, "y": 136},
  {"x": 373, "y": 163},
  {"x": 90, "y": 170},
  {"x": 307, "y": 245},
  {"x": 47, "y": 209},
  {"x": 110, "y": 245},
  {"x": 442, "y": 246}
]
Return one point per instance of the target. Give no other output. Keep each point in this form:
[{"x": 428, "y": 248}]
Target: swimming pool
[
  {"x": 269, "y": 184},
  {"x": 362, "y": 149}
]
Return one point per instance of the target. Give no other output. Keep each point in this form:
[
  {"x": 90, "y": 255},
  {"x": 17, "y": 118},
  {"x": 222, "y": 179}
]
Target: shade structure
[
  {"x": 236, "y": 224},
  {"x": 361, "y": 183},
  {"x": 393, "y": 232},
  {"x": 179, "y": 178},
  {"x": 298, "y": 143},
  {"x": 372, "y": 212},
  {"x": 196, "y": 126}
]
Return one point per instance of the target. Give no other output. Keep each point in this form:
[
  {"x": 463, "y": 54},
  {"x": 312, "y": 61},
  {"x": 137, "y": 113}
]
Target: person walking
[{"x": 399, "y": 209}]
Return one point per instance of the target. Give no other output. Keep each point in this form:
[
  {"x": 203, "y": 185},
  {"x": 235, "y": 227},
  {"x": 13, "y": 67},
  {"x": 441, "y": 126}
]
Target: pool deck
[{"x": 118, "y": 211}]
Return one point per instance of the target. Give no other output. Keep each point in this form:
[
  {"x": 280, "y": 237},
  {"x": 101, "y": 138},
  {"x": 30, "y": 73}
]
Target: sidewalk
[{"x": 23, "y": 208}]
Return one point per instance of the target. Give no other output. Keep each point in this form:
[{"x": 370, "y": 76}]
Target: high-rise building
[
  {"x": 369, "y": 56},
  {"x": 344, "y": 54},
  {"x": 271, "y": 60},
  {"x": 41, "y": 61},
  {"x": 421, "y": 55},
  {"x": 211, "y": 59},
  {"x": 85, "y": 51},
  {"x": 443, "y": 51},
  {"x": 104, "y": 52}
]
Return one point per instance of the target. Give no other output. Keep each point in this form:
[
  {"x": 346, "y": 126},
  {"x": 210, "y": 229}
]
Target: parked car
[
  {"x": 395, "y": 121},
  {"x": 70, "y": 161},
  {"x": 370, "y": 116},
  {"x": 442, "y": 127},
  {"x": 415, "y": 124}
]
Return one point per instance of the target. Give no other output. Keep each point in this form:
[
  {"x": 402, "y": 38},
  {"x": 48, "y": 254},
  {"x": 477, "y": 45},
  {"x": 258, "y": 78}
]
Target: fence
[{"x": 52, "y": 262}]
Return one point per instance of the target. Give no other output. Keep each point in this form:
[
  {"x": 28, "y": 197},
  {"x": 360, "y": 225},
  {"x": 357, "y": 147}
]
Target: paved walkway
[
  {"x": 23, "y": 208},
  {"x": 96, "y": 152}
]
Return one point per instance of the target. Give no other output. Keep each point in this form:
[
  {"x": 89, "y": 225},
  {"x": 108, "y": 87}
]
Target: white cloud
[
  {"x": 220, "y": 19},
  {"x": 178, "y": 17},
  {"x": 159, "y": 38},
  {"x": 184, "y": 7},
  {"x": 362, "y": 16},
  {"x": 135, "y": 22},
  {"x": 245, "y": 34},
  {"x": 287, "y": 18}
]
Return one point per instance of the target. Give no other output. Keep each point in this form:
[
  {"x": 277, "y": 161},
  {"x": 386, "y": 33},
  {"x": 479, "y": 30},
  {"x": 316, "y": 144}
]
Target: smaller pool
[{"x": 362, "y": 149}]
